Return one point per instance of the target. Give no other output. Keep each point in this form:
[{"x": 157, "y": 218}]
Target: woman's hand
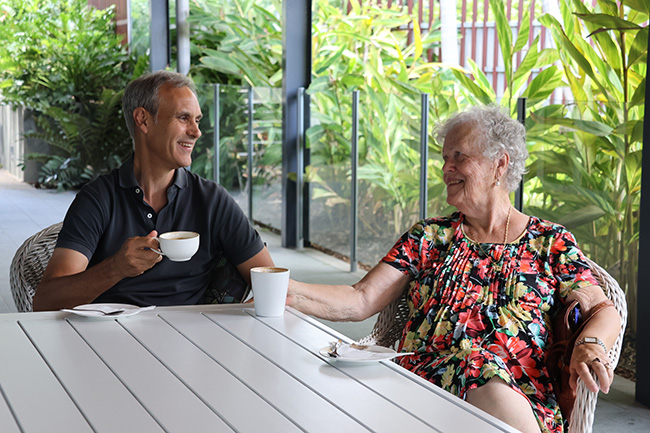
[{"x": 587, "y": 358}]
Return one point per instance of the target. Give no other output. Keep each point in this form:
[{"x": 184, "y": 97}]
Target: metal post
[
  {"x": 129, "y": 25},
  {"x": 354, "y": 194},
  {"x": 642, "y": 389},
  {"x": 300, "y": 169},
  {"x": 519, "y": 193},
  {"x": 250, "y": 154},
  {"x": 296, "y": 72},
  {"x": 306, "y": 161},
  {"x": 216, "y": 136},
  {"x": 424, "y": 154},
  {"x": 183, "y": 36},
  {"x": 160, "y": 55}
]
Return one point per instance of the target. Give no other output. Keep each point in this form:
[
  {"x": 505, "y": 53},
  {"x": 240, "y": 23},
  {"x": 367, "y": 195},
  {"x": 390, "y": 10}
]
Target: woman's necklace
[{"x": 505, "y": 240}]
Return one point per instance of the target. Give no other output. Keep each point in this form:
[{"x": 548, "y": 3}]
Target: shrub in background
[
  {"x": 64, "y": 61},
  {"x": 238, "y": 44}
]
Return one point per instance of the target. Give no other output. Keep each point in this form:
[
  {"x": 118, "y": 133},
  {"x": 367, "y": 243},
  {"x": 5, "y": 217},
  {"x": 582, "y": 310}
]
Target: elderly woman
[{"x": 482, "y": 284}]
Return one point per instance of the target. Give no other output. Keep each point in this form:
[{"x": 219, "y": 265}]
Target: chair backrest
[
  {"x": 392, "y": 320},
  {"x": 582, "y": 417},
  {"x": 390, "y": 323},
  {"x": 226, "y": 285},
  {"x": 29, "y": 263}
]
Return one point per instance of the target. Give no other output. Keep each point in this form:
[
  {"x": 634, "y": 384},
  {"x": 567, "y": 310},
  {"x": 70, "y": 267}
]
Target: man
[{"x": 103, "y": 253}]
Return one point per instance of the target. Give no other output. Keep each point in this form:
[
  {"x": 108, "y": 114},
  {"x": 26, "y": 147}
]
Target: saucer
[
  {"x": 107, "y": 311},
  {"x": 358, "y": 353}
]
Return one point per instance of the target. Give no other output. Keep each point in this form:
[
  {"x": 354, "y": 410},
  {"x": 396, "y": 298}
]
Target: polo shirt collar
[
  {"x": 128, "y": 180},
  {"x": 180, "y": 178}
]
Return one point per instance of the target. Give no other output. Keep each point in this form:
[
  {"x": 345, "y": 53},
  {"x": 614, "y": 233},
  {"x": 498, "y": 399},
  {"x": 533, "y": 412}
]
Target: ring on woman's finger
[{"x": 594, "y": 360}]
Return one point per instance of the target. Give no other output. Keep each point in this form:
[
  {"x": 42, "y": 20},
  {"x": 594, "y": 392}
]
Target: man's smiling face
[{"x": 175, "y": 128}]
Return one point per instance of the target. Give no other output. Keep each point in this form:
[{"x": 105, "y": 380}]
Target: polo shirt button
[
  {"x": 137, "y": 190},
  {"x": 149, "y": 215}
]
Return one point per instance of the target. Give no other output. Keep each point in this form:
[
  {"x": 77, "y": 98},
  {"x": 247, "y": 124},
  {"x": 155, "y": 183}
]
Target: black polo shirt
[{"x": 111, "y": 209}]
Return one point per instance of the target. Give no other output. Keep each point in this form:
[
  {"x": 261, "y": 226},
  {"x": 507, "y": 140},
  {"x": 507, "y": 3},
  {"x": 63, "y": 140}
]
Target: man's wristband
[{"x": 591, "y": 340}]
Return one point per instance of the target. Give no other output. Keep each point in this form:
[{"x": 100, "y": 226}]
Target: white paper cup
[
  {"x": 178, "y": 246},
  {"x": 270, "y": 286}
]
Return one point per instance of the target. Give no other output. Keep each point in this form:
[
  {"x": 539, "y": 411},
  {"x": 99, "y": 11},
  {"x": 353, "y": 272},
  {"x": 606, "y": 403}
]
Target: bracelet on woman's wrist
[{"x": 592, "y": 340}]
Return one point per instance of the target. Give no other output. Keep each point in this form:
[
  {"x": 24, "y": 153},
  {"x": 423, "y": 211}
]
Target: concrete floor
[{"x": 25, "y": 210}]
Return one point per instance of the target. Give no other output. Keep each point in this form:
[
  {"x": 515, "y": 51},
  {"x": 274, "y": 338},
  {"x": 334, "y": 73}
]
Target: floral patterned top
[{"x": 480, "y": 311}]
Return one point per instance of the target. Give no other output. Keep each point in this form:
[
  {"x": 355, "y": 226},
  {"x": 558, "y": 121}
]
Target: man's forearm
[
  {"x": 67, "y": 291},
  {"x": 68, "y": 281}
]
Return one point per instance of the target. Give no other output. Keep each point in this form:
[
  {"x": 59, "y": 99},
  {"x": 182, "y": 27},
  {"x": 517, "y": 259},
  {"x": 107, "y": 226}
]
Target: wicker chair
[
  {"x": 29, "y": 263},
  {"x": 31, "y": 259},
  {"x": 392, "y": 320},
  {"x": 226, "y": 285}
]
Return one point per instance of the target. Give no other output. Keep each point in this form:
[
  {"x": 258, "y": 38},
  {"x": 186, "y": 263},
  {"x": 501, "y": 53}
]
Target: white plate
[
  {"x": 349, "y": 353},
  {"x": 99, "y": 310}
]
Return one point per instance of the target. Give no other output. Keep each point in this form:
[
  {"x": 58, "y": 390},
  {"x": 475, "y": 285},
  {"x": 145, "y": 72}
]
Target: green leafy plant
[
  {"x": 89, "y": 143},
  {"x": 585, "y": 164},
  {"x": 61, "y": 173},
  {"x": 64, "y": 61},
  {"x": 58, "y": 53},
  {"x": 587, "y": 171},
  {"x": 366, "y": 49},
  {"x": 233, "y": 123},
  {"x": 140, "y": 27},
  {"x": 238, "y": 44},
  {"x": 362, "y": 50},
  {"x": 520, "y": 82},
  {"x": 234, "y": 134}
]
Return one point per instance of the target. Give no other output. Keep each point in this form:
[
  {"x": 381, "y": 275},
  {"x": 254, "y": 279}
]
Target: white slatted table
[{"x": 206, "y": 369}]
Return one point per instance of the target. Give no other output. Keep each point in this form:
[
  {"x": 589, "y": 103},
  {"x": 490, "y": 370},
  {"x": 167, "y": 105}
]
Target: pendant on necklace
[
  {"x": 496, "y": 261},
  {"x": 482, "y": 254}
]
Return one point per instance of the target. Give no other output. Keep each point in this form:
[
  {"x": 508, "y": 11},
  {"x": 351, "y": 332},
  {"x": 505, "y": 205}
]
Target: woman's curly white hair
[{"x": 497, "y": 133}]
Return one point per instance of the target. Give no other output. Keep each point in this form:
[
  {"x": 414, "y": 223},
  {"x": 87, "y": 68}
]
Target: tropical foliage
[
  {"x": 534, "y": 78},
  {"x": 140, "y": 27},
  {"x": 64, "y": 61},
  {"x": 87, "y": 143},
  {"x": 364, "y": 50},
  {"x": 587, "y": 163},
  {"x": 236, "y": 45},
  {"x": 237, "y": 42}
]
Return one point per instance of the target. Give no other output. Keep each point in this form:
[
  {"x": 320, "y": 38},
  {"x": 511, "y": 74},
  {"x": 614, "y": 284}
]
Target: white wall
[{"x": 11, "y": 142}]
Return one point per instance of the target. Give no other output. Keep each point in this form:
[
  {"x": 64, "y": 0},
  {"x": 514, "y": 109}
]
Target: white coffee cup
[
  {"x": 270, "y": 286},
  {"x": 178, "y": 246}
]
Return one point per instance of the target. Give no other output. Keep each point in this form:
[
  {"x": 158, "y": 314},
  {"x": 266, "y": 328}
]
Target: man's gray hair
[
  {"x": 143, "y": 92},
  {"x": 496, "y": 133}
]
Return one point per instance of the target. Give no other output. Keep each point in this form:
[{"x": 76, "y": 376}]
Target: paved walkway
[{"x": 25, "y": 210}]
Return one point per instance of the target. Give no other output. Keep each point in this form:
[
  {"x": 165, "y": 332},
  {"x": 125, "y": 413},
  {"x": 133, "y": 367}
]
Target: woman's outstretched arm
[{"x": 376, "y": 290}]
